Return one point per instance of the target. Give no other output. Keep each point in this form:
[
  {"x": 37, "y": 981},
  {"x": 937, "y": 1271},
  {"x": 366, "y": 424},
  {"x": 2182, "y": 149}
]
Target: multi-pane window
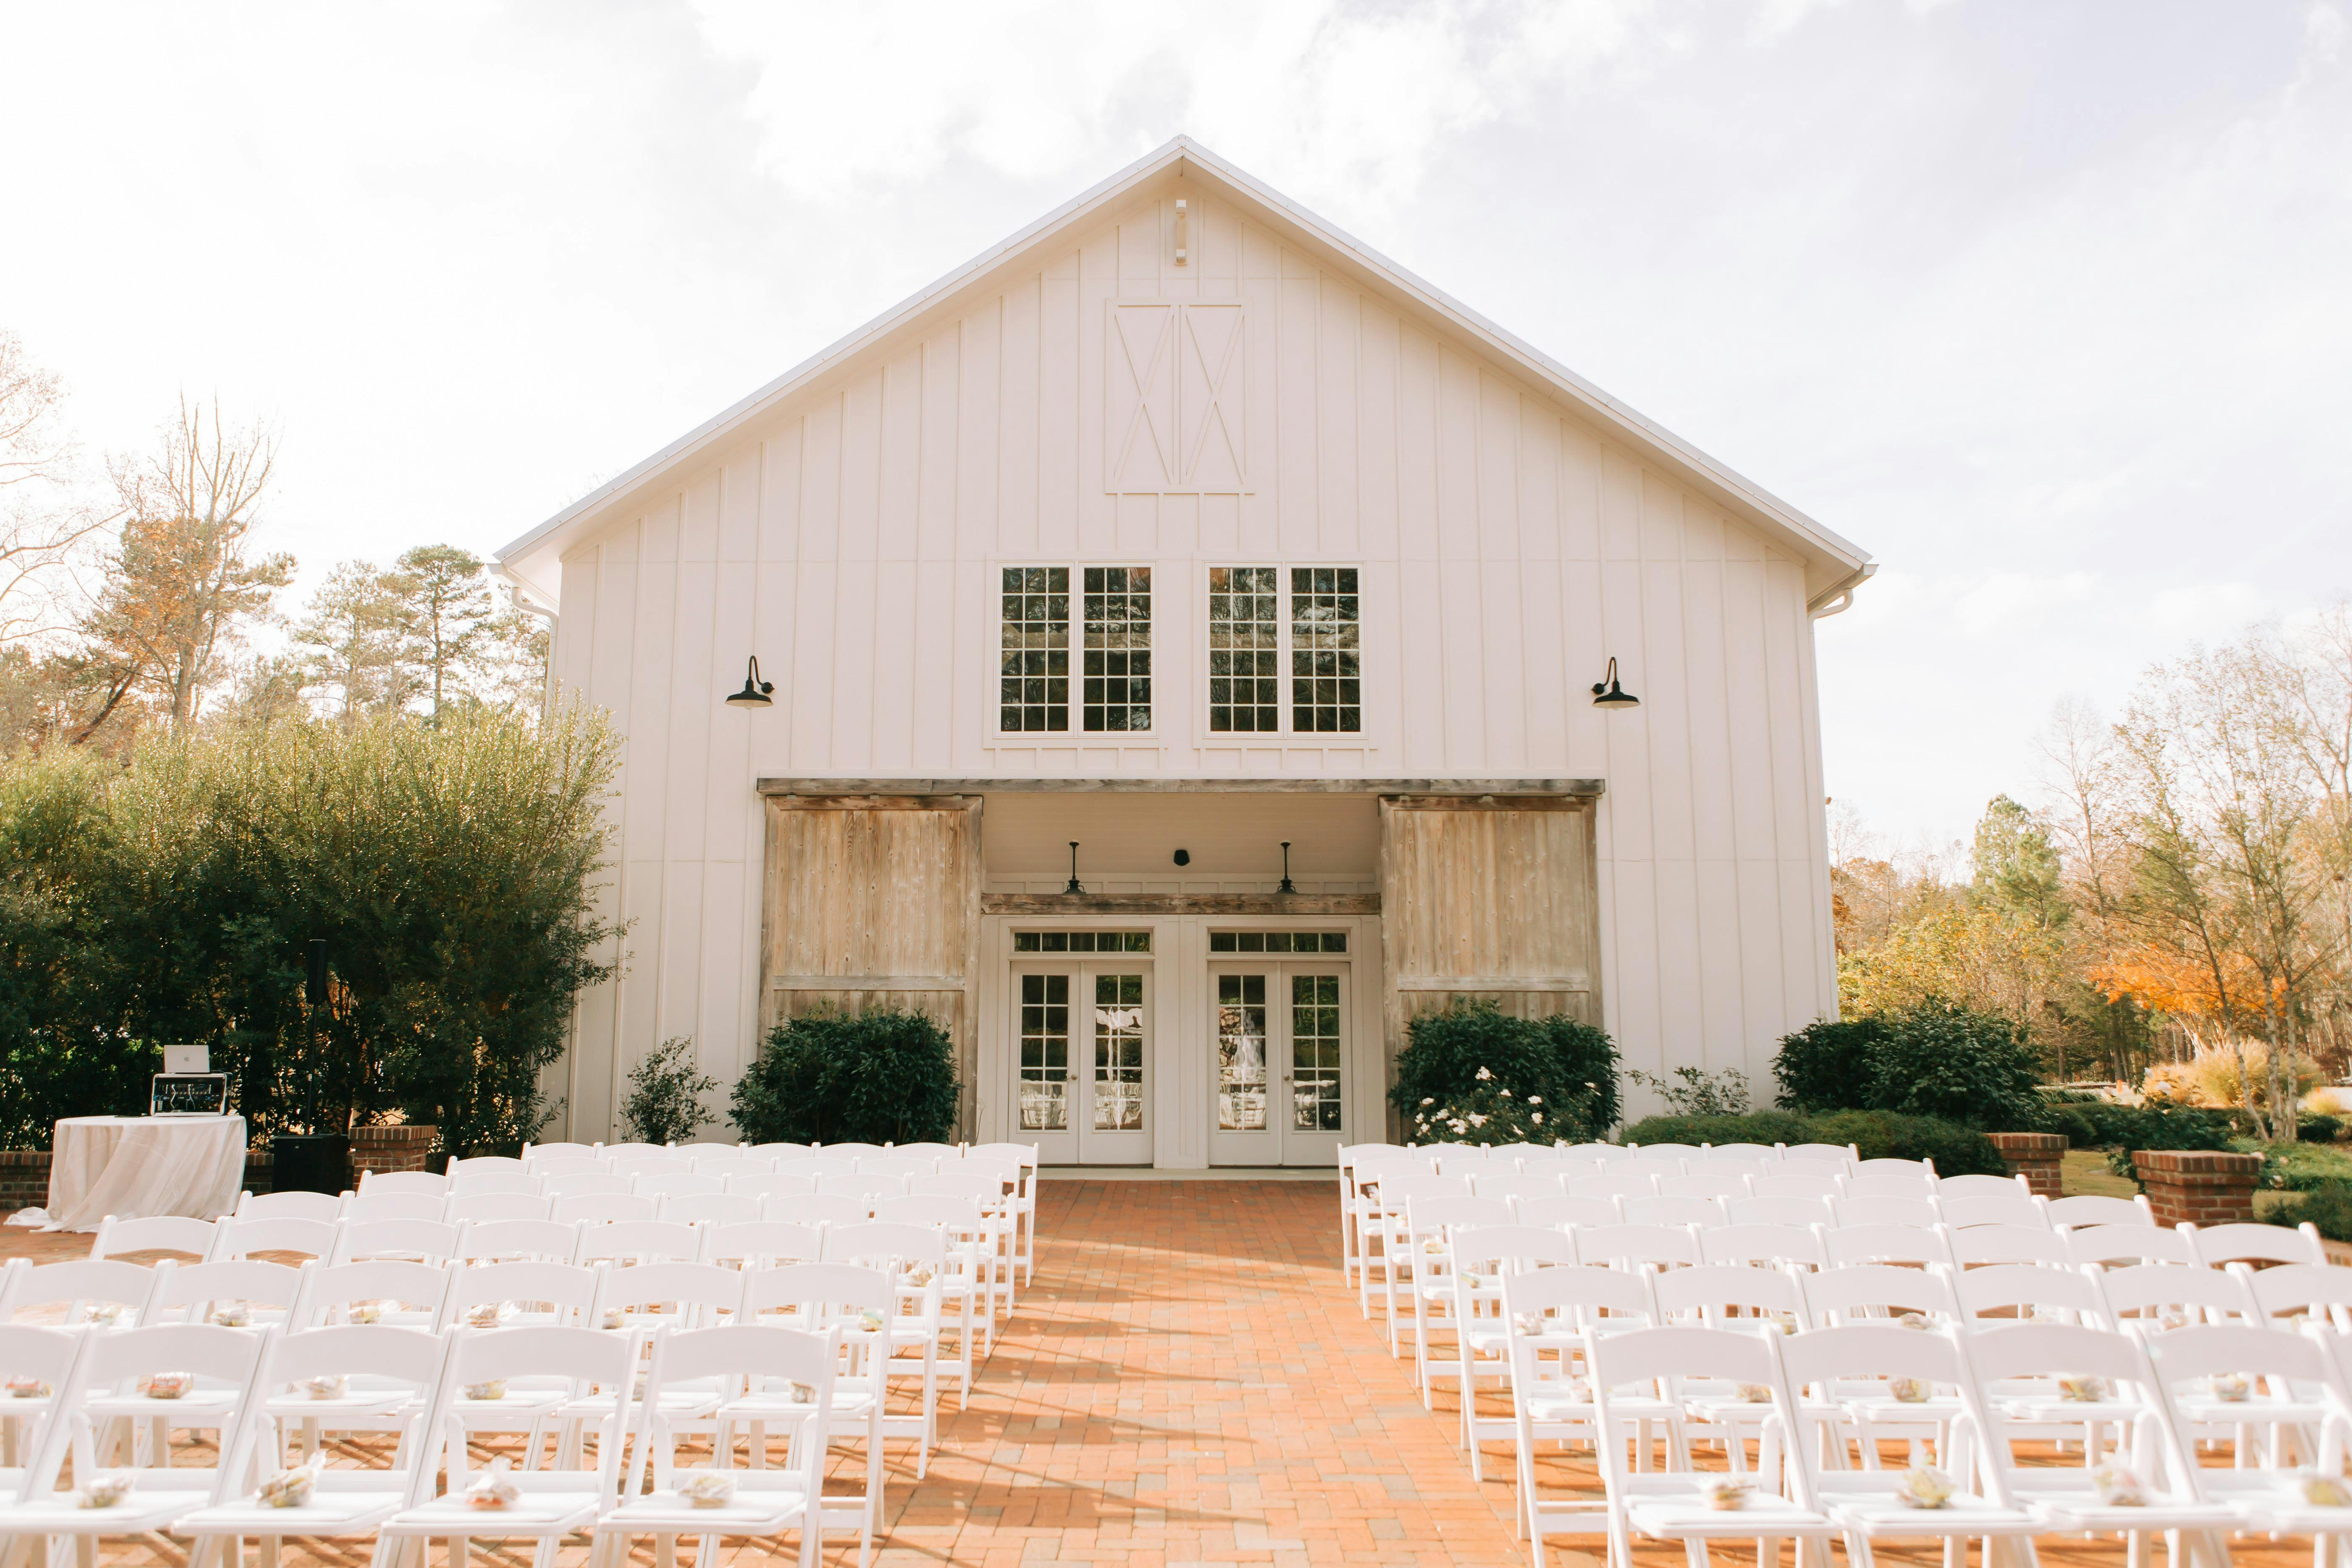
[
  {"x": 1315, "y": 1053},
  {"x": 1326, "y": 651},
  {"x": 1277, "y": 941},
  {"x": 1035, "y": 680},
  {"x": 1119, "y": 1053},
  {"x": 1081, "y": 941},
  {"x": 1244, "y": 649},
  {"x": 1117, "y": 647},
  {"x": 1045, "y": 1053},
  {"x": 1240, "y": 1053}
]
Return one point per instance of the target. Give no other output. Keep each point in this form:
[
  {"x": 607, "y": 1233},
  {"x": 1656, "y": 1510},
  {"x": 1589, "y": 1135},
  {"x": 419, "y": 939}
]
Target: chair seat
[
  {"x": 533, "y": 1513},
  {"x": 2201, "y": 1408},
  {"x": 143, "y": 1510},
  {"x": 209, "y": 1402},
  {"x": 359, "y": 1401},
  {"x": 2082, "y": 1511},
  {"x": 2271, "y": 1500},
  {"x": 762, "y": 1512},
  {"x": 1878, "y": 1513},
  {"x": 1689, "y": 1519},
  {"x": 1565, "y": 1407},
  {"x": 327, "y": 1513}
]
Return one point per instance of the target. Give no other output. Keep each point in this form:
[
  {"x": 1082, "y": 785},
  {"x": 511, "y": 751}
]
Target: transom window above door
[
  {"x": 1277, "y": 941},
  {"x": 1114, "y": 635},
  {"x": 1081, "y": 941},
  {"x": 1285, "y": 643}
]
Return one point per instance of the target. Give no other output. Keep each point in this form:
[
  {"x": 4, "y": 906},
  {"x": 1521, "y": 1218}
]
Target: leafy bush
[
  {"x": 2328, "y": 1207},
  {"x": 2317, "y": 1127},
  {"x": 664, "y": 1104},
  {"x": 1488, "y": 1113},
  {"x": 1567, "y": 1068},
  {"x": 2304, "y": 1168},
  {"x": 450, "y": 871},
  {"x": 1699, "y": 1094},
  {"x": 1935, "y": 1059},
  {"x": 876, "y": 1076},
  {"x": 1958, "y": 1151},
  {"x": 2121, "y": 1129},
  {"x": 1829, "y": 1066}
]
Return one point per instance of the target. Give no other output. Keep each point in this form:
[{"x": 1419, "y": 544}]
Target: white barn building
[{"x": 1184, "y": 526}]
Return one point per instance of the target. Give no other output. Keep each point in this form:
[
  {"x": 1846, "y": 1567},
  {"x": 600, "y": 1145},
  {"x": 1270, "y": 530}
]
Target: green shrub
[
  {"x": 1829, "y": 1066},
  {"x": 2121, "y": 1129},
  {"x": 1488, "y": 1113},
  {"x": 2328, "y": 1207},
  {"x": 2317, "y": 1127},
  {"x": 1958, "y": 1151},
  {"x": 1567, "y": 1070},
  {"x": 1935, "y": 1059},
  {"x": 1698, "y": 1093},
  {"x": 876, "y": 1076},
  {"x": 664, "y": 1104}
]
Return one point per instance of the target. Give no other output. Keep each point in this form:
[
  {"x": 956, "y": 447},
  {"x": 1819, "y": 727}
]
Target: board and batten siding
[{"x": 851, "y": 540}]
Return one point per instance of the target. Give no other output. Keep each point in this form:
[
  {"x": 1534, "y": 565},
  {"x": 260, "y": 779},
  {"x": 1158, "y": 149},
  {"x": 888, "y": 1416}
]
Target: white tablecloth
[{"x": 139, "y": 1165}]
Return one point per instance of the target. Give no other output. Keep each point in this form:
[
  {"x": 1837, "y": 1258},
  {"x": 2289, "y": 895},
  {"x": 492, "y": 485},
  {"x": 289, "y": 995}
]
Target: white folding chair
[
  {"x": 1430, "y": 1225},
  {"x": 2162, "y": 1296},
  {"x": 238, "y": 1238},
  {"x": 1772, "y": 1245},
  {"x": 534, "y": 1153},
  {"x": 2006, "y": 1244},
  {"x": 1704, "y": 1212},
  {"x": 1950, "y": 1187},
  {"x": 407, "y": 1183},
  {"x": 667, "y": 1295},
  {"x": 374, "y": 1205},
  {"x": 770, "y": 1183},
  {"x": 604, "y": 1208},
  {"x": 678, "y": 1184},
  {"x": 1762, "y": 1154},
  {"x": 709, "y": 1208},
  {"x": 527, "y": 1293},
  {"x": 1836, "y": 1156},
  {"x": 161, "y": 1232},
  {"x": 1715, "y": 1180},
  {"x": 1675, "y": 1505},
  {"x": 1801, "y": 1182},
  {"x": 839, "y": 1299},
  {"x": 2007, "y": 1208},
  {"x": 970, "y": 1282},
  {"x": 1845, "y": 1244},
  {"x": 82, "y": 1290},
  {"x": 2009, "y": 1292},
  {"x": 2291, "y": 1385},
  {"x": 425, "y": 1240},
  {"x": 2088, "y": 1210},
  {"x": 1919, "y": 1172},
  {"x": 2318, "y": 1293},
  {"x": 589, "y": 1184},
  {"x": 516, "y": 1240},
  {"x": 915, "y": 1256},
  {"x": 1547, "y": 1315},
  {"x": 243, "y": 1293},
  {"x": 1023, "y": 1158},
  {"x": 2220, "y": 1244},
  {"x": 1633, "y": 1245},
  {"x": 393, "y": 1292},
  {"x": 1780, "y": 1210},
  {"x": 1615, "y": 1181},
  {"x": 2105, "y": 1245},
  {"x": 479, "y": 1208},
  {"x": 487, "y": 1166},
  {"x": 1484, "y": 1257},
  {"x": 1492, "y": 1183},
  {"x": 1667, "y": 1154},
  {"x": 1861, "y": 1292},
  {"x": 326, "y": 1207},
  {"x": 637, "y": 1241},
  {"x": 34, "y": 1362},
  {"x": 1918, "y": 1212},
  {"x": 480, "y": 1183}
]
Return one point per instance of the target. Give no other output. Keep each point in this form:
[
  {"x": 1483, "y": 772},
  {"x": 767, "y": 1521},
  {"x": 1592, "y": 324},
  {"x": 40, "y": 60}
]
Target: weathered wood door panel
[
  {"x": 1499, "y": 900},
  {"x": 874, "y": 901}
]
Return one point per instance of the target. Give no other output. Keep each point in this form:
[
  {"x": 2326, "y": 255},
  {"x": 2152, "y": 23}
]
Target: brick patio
[{"x": 1187, "y": 1381}]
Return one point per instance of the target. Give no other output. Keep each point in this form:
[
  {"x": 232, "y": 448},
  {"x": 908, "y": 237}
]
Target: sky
[{"x": 2046, "y": 303}]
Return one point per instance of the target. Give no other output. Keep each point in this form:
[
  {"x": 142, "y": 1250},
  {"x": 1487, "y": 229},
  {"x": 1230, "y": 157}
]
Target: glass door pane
[
  {"x": 1045, "y": 1053},
  {"x": 1240, "y": 1053},
  {"x": 1315, "y": 1053},
  {"x": 1119, "y": 1053}
]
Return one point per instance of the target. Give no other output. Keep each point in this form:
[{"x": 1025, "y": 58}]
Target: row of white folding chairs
[
  {"x": 435, "y": 1394},
  {"x": 701, "y": 1234},
  {"x": 1985, "y": 1393},
  {"x": 492, "y": 1174},
  {"x": 1841, "y": 1156},
  {"x": 651, "y": 1198}
]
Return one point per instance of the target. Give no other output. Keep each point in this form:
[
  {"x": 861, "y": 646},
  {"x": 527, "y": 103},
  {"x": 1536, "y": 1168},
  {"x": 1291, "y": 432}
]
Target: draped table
[{"x": 135, "y": 1166}]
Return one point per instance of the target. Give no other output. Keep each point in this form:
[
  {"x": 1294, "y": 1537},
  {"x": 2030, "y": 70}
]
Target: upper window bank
[{"x": 1284, "y": 644}]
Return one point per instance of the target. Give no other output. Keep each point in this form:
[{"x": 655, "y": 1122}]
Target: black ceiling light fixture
[
  {"x": 1287, "y": 886},
  {"x": 755, "y": 690},
  {"x": 1184, "y": 857},
  {"x": 1076, "y": 886},
  {"x": 1607, "y": 693}
]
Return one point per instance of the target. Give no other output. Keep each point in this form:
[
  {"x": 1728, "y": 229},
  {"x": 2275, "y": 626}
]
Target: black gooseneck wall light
[
  {"x": 755, "y": 692},
  {"x": 1607, "y": 693}
]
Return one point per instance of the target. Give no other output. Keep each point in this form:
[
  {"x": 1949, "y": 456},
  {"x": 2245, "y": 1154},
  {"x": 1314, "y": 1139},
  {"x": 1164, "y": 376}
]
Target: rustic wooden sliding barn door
[
  {"x": 874, "y": 901},
  {"x": 1495, "y": 897}
]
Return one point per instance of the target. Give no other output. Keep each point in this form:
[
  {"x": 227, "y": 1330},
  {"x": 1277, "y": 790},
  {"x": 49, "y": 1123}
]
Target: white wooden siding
[{"x": 1507, "y": 551}]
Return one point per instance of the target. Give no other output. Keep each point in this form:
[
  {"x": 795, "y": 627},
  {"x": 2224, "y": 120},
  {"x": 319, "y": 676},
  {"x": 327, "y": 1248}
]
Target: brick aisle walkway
[{"x": 1186, "y": 1381}]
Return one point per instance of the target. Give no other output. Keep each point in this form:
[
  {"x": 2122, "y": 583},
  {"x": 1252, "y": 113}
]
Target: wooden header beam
[{"x": 1565, "y": 788}]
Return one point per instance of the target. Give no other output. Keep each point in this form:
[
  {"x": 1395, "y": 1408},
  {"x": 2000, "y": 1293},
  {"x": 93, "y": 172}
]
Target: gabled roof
[{"x": 1833, "y": 565}]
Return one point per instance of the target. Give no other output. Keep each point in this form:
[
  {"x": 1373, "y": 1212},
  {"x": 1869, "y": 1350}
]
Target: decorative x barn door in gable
[{"x": 1175, "y": 384}]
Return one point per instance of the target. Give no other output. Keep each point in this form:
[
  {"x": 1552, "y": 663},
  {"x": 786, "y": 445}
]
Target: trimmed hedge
[
  {"x": 1958, "y": 1151},
  {"x": 2121, "y": 1129},
  {"x": 1569, "y": 1067},
  {"x": 1936, "y": 1059},
  {"x": 876, "y": 1076},
  {"x": 2328, "y": 1207}
]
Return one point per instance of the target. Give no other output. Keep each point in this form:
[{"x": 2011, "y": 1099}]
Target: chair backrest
[
  {"x": 663, "y": 1162},
  {"x": 324, "y": 1207},
  {"x": 1729, "y": 1296},
  {"x": 481, "y": 1184},
  {"x": 643, "y": 1240},
  {"x": 1647, "y": 1361},
  {"x": 885, "y": 1244},
  {"x": 1838, "y": 1156},
  {"x": 959, "y": 1216},
  {"x": 486, "y": 1206},
  {"x": 2088, "y": 1209},
  {"x": 2006, "y": 1208},
  {"x": 1922, "y": 1171},
  {"x": 1920, "y": 1211},
  {"x": 1511, "y": 1185},
  {"x": 588, "y": 1183},
  {"x": 1716, "y": 1176},
  {"x": 1823, "y": 1356},
  {"x": 1623, "y": 1181},
  {"x": 1844, "y": 1244},
  {"x": 768, "y": 1184},
  {"x": 567, "y": 1289},
  {"x": 334, "y": 1289},
  {"x": 532, "y": 1154},
  {"x": 767, "y": 1355},
  {"x": 2220, "y": 1244},
  {"x": 1630, "y": 1246},
  {"x": 1560, "y": 1168},
  {"x": 409, "y": 1356},
  {"x": 569, "y": 1165},
  {"x": 898, "y": 1164},
  {"x": 196, "y": 1292},
  {"x": 604, "y": 1208},
  {"x": 417, "y": 1183},
  {"x": 2196, "y": 1354},
  {"x": 818, "y": 1208},
  {"x": 540, "y": 1239},
  {"x": 817, "y": 1166},
  {"x": 764, "y": 1243},
  {"x": 1517, "y": 1244},
  {"x": 782, "y": 1152},
  {"x": 678, "y": 1183},
  {"x": 1778, "y": 1211},
  {"x": 864, "y": 1183},
  {"x": 613, "y": 1151},
  {"x": 1704, "y": 1213},
  {"x": 1396, "y": 1192},
  {"x": 244, "y": 1237},
  {"x": 395, "y": 1205},
  {"x": 1762, "y": 1244},
  {"x": 932, "y": 1151},
  {"x": 1435, "y": 1216},
  {"x": 1858, "y": 1291},
  {"x": 733, "y": 1162},
  {"x": 1799, "y": 1182},
  {"x": 826, "y": 1286},
  {"x": 1561, "y": 1212},
  {"x": 431, "y": 1240},
  {"x": 2112, "y": 1244},
  {"x": 78, "y": 1285},
  {"x": 1881, "y": 1185},
  {"x": 157, "y": 1233},
  {"x": 1583, "y": 1295},
  {"x": 1603, "y": 1152},
  {"x": 701, "y": 1291},
  {"x": 711, "y": 1208},
  {"x": 1949, "y": 1187},
  {"x": 2321, "y": 1290},
  {"x": 2015, "y": 1290},
  {"x": 1673, "y": 1154},
  {"x": 1762, "y": 1154},
  {"x": 487, "y": 1165},
  {"x": 2168, "y": 1296},
  {"x": 39, "y": 1357},
  {"x": 2008, "y": 1244}
]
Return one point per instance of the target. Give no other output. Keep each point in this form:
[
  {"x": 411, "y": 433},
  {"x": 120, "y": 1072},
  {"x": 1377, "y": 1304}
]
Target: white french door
[
  {"x": 1083, "y": 1045},
  {"x": 1280, "y": 1037}
]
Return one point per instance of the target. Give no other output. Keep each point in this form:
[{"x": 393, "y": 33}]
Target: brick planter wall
[
  {"x": 2209, "y": 1187},
  {"x": 2035, "y": 1156},
  {"x": 388, "y": 1149},
  {"x": 24, "y": 1179}
]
